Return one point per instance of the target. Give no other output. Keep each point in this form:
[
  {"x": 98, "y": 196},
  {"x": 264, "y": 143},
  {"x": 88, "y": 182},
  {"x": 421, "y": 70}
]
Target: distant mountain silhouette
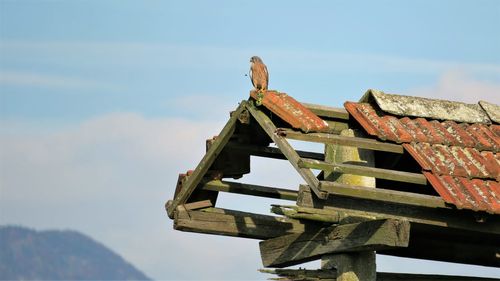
[{"x": 27, "y": 254}]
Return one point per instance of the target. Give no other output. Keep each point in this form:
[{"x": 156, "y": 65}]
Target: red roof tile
[
  {"x": 290, "y": 110},
  {"x": 461, "y": 161}
]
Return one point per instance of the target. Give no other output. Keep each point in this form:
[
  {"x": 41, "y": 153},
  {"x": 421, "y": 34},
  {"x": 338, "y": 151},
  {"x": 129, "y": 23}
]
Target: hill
[{"x": 26, "y": 254}]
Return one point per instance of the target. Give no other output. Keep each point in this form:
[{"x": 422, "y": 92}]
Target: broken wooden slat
[
  {"x": 287, "y": 150},
  {"x": 327, "y": 111},
  {"x": 235, "y": 223},
  {"x": 302, "y": 247},
  {"x": 385, "y": 195},
  {"x": 198, "y": 205},
  {"x": 342, "y": 140},
  {"x": 364, "y": 171},
  {"x": 207, "y": 160},
  {"x": 271, "y": 152},
  {"x": 251, "y": 189},
  {"x": 302, "y": 274}
]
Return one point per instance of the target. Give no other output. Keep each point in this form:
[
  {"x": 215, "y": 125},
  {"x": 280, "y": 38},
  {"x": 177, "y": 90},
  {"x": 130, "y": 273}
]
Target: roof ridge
[{"x": 411, "y": 106}]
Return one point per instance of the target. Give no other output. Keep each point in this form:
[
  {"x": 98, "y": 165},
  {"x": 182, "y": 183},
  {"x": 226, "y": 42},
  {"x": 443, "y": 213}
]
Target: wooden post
[{"x": 358, "y": 266}]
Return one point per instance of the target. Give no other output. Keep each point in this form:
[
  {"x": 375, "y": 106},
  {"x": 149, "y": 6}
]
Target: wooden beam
[
  {"x": 321, "y": 274},
  {"x": 194, "y": 179},
  {"x": 364, "y": 206},
  {"x": 342, "y": 140},
  {"x": 327, "y": 111},
  {"x": 364, "y": 171},
  {"x": 271, "y": 152},
  {"x": 386, "y": 195},
  {"x": 251, "y": 189},
  {"x": 286, "y": 149},
  {"x": 238, "y": 224},
  {"x": 299, "y": 248}
]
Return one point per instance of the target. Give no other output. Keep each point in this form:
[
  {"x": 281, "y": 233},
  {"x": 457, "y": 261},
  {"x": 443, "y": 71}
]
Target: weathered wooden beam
[
  {"x": 323, "y": 275},
  {"x": 302, "y": 247},
  {"x": 251, "y": 189},
  {"x": 327, "y": 111},
  {"x": 364, "y": 171},
  {"x": 207, "y": 160},
  {"x": 342, "y": 140},
  {"x": 271, "y": 152},
  {"x": 321, "y": 215},
  {"x": 386, "y": 195},
  {"x": 286, "y": 149},
  {"x": 239, "y": 224},
  {"x": 364, "y": 206}
]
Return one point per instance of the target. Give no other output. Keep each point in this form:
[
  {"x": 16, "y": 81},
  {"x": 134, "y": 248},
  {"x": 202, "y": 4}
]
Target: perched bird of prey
[{"x": 258, "y": 74}]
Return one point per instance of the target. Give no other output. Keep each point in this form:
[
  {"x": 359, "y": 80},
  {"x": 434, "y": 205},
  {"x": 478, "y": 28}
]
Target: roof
[{"x": 457, "y": 145}]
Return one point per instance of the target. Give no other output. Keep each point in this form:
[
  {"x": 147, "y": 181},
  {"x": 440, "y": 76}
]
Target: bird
[{"x": 258, "y": 74}]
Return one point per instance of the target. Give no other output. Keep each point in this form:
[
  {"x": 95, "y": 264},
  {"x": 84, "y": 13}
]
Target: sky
[{"x": 104, "y": 103}]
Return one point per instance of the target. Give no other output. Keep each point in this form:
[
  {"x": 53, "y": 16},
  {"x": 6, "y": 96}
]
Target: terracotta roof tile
[{"x": 460, "y": 160}]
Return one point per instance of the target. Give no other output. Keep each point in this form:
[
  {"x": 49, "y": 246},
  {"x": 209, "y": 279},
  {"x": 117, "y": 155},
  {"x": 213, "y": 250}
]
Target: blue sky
[{"x": 103, "y": 103}]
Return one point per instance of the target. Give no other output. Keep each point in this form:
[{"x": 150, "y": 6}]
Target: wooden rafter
[
  {"x": 286, "y": 149},
  {"x": 201, "y": 169}
]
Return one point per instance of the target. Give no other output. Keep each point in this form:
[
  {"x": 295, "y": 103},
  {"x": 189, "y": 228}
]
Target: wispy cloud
[
  {"x": 221, "y": 57},
  {"x": 32, "y": 79},
  {"x": 460, "y": 86}
]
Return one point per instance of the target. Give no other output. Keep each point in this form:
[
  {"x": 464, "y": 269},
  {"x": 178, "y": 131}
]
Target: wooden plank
[
  {"x": 385, "y": 195},
  {"x": 364, "y": 171},
  {"x": 298, "y": 248},
  {"x": 198, "y": 205},
  {"x": 459, "y": 220},
  {"x": 321, "y": 274},
  {"x": 251, "y": 189},
  {"x": 286, "y": 149},
  {"x": 271, "y": 152},
  {"x": 238, "y": 224},
  {"x": 342, "y": 140},
  {"x": 327, "y": 111},
  {"x": 194, "y": 179}
]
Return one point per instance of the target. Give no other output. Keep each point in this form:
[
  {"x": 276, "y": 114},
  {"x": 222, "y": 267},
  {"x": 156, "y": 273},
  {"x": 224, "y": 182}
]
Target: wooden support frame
[
  {"x": 207, "y": 160},
  {"x": 286, "y": 149},
  {"x": 364, "y": 171},
  {"x": 342, "y": 140},
  {"x": 299, "y": 248}
]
